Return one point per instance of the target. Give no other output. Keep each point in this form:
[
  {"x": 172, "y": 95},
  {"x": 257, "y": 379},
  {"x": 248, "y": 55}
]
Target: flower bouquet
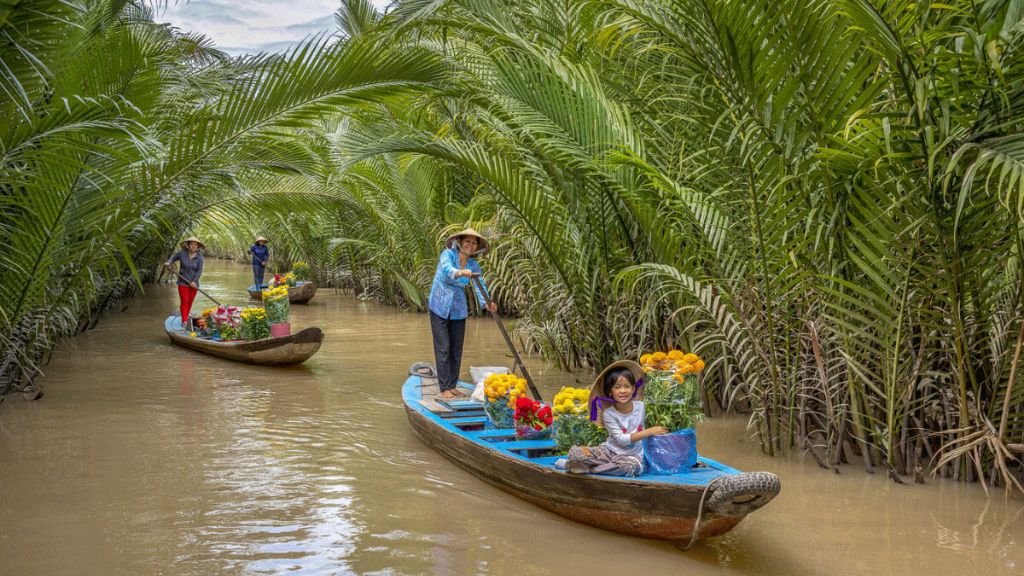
[
  {"x": 573, "y": 426},
  {"x": 501, "y": 391},
  {"x": 226, "y": 322},
  {"x": 288, "y": 279},
  {"x": 255, "y": 325},
  {"x": 672, "y": 400},
  {"x": 532, "y": 418}
]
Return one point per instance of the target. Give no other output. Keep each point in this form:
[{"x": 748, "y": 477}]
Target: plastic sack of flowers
[
  {"x": 572, "y": 425},
  {"x": 671, "y": 453},
  {"x": 573, "y": 430},
  {"x": 228, "y": 321},
  {"x": 672, "y": 400},
  {"x": 255, "y": 325},
  {"x": 275, "y": 301},
  {"x": 499, "y": 414},
  {"x": 532, "y": 419},
  {"x": 501, "y": 392}
]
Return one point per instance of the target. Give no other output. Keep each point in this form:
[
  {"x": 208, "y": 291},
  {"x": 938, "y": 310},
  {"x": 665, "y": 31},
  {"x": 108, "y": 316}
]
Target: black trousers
[{"x": 449, "y": 335}]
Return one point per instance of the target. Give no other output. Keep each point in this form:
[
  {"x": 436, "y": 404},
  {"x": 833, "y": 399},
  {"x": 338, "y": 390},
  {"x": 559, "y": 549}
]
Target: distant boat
[
  {"x": 649, "y": 506},
  {"x": 284, "y": 351},
  {"x": 301, "y": 293}
]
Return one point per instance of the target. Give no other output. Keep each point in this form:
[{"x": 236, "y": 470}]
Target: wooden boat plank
[{"x": 434, "y": 406}]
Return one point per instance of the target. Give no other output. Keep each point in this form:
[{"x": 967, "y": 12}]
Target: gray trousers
[{"x": 449, "y": 335}]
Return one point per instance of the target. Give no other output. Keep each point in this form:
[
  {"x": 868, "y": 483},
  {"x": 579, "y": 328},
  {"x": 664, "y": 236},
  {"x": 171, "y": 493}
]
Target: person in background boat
[
  {"x": 260, "y": 256},
  {"x": 190, "y": 268},
  {"x": 616, "y": 405},
  {"x": 449, "y": 308}
]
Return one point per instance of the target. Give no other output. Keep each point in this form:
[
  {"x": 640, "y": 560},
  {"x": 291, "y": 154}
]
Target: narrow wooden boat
[
  {"x": 711, "y": 498},
  {"x": 284, "y": 351},
  {"x": 301, "y": 293}
]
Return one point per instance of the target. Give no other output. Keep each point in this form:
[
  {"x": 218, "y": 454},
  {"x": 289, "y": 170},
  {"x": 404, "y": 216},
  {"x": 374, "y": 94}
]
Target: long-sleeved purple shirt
[{"x": 189, "y": 268}]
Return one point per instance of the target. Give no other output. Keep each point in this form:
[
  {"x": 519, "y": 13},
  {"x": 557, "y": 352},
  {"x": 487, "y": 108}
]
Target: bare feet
[
  {"x": 458, "y": 392},
  {"x": 448, "y": 395}
]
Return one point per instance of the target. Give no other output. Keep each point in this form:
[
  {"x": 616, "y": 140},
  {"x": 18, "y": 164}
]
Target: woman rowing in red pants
[{"x": 190, "y": 264}]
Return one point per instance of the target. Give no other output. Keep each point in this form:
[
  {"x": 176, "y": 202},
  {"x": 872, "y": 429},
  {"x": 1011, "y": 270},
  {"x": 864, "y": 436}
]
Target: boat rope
[{"x": 700, "y": 513}]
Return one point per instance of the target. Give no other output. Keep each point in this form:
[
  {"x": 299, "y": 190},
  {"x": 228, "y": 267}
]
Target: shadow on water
[{"x": 144, "y": 458}]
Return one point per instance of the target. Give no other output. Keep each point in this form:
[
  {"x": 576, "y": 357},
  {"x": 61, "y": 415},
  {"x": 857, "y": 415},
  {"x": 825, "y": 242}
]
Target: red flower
[{"x": 538, "y": 427}]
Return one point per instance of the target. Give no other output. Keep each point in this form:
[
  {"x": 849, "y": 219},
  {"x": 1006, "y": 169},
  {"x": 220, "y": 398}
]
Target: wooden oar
[
  {"x": 178, "y": 274},
  {"x": 508, "y": 340}
]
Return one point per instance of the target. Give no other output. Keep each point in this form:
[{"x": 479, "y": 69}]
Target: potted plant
[
  {"x": 573, "y": 426},
  {"x": 532, "y": 419},
  {"x": 501, "y": 392},
  {"x": 672, "y": 400},
  {"x": 255, "y": 325},
  {"x": 275, "y": 302}
]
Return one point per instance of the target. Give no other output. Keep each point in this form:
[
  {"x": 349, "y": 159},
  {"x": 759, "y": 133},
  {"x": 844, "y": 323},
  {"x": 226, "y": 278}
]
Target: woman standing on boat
[
  {"x": 190, "y": 268},
  {"x": 448, "y": 306},
  {"x": 260, "y": 256}
]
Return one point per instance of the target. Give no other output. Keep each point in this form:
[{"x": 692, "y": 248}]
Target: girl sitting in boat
[{"x": 616, "y": 405}]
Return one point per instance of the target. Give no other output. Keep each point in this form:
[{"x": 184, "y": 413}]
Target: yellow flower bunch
[
  {"x": 498, "y": 386},
  {"x": 274, "y": 293},
  {"x": 209, "y": 311},
  {"x": 677, "y": 361},
  {"x": 250, "y": 314},
  {"x": 572, "y": 401}
]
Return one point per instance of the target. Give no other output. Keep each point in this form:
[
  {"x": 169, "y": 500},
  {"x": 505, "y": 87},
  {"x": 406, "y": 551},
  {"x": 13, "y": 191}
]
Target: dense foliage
[{"x": 821, "y": 198}]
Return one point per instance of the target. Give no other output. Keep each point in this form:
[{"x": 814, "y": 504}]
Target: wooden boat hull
[
  {"x": 285, "y": 351},
  {"x": 300, "y": 294},
  {"x": 646, "y": 506}
]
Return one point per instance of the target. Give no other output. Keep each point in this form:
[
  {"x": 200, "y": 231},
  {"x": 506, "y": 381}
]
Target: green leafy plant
[
  {"x": 670, "y": 402},
  {"x": 577, "y": 430}
]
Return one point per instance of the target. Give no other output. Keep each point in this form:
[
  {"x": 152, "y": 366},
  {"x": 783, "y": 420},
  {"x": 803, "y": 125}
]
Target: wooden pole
[{"x": 508, "y": 340}]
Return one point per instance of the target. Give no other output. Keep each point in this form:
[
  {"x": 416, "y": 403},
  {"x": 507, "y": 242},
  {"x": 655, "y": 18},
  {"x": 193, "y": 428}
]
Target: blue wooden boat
[
  {"x": 301, "y": 293},
  {"x": 709, "y": 500}
]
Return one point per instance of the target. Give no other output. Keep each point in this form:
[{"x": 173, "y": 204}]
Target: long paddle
[
  {"x": 178, "y": 274},
  {"x": 508, "y": 340}
]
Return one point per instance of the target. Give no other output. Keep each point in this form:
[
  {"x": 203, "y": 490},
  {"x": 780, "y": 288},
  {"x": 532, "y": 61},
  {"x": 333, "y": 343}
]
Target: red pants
[{"x": 187, "y": 295}]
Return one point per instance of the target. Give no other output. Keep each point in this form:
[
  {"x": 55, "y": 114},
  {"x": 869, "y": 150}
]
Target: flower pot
[{"x": 280, "y": 329}]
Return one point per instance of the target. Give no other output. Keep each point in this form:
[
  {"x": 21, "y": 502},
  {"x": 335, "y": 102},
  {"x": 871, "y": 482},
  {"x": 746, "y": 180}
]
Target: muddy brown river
[{"x": 148, "y": 459}]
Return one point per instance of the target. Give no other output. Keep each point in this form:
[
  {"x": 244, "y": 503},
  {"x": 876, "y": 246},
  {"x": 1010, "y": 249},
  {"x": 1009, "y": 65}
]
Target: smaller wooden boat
[
  {"x": 301, "y": 293},
  {"x": 708, "y": 500},
  {"x": 284, "y": 351}
]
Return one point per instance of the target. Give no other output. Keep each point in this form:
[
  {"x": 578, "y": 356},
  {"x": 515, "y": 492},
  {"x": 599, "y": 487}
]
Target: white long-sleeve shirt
[{"x": 620, "y": 426}]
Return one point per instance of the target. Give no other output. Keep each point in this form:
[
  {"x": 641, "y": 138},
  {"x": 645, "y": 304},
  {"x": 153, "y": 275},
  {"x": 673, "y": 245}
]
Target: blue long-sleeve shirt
[
  {"x": 259, "y": 253},
  {"x": 448, "y": 293}
]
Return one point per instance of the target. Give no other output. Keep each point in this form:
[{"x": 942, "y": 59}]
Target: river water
[{"x": 144, "y": 458}]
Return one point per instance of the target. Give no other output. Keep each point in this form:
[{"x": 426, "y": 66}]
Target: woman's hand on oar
[{"x": 192, "y": 284}]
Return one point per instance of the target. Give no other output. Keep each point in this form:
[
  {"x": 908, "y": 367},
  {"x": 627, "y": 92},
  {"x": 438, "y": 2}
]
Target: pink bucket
[{"x": 280, "y": 329}]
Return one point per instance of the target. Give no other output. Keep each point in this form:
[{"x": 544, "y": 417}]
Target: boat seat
[
  {"x": 462, "y": 404},
  {"x": 469, "y": 420},
  {"x": 526, "y": 445}
]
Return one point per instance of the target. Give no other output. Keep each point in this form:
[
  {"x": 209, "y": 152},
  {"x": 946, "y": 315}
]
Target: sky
[{"x": 252, "y": 26}]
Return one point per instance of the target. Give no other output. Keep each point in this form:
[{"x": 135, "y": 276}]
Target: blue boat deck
[{"x": 466, "y": 418}]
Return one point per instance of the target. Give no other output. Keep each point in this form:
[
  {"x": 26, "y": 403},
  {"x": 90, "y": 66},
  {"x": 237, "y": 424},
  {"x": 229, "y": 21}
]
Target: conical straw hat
[
  {"x": 261, "y": 239},
  {"x": 184, "y": 243},
  {"x": 483, "y": 246}
]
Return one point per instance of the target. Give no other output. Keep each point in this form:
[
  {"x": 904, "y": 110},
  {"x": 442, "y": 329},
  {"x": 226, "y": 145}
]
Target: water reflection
[{"x": 148, "y": 459}]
